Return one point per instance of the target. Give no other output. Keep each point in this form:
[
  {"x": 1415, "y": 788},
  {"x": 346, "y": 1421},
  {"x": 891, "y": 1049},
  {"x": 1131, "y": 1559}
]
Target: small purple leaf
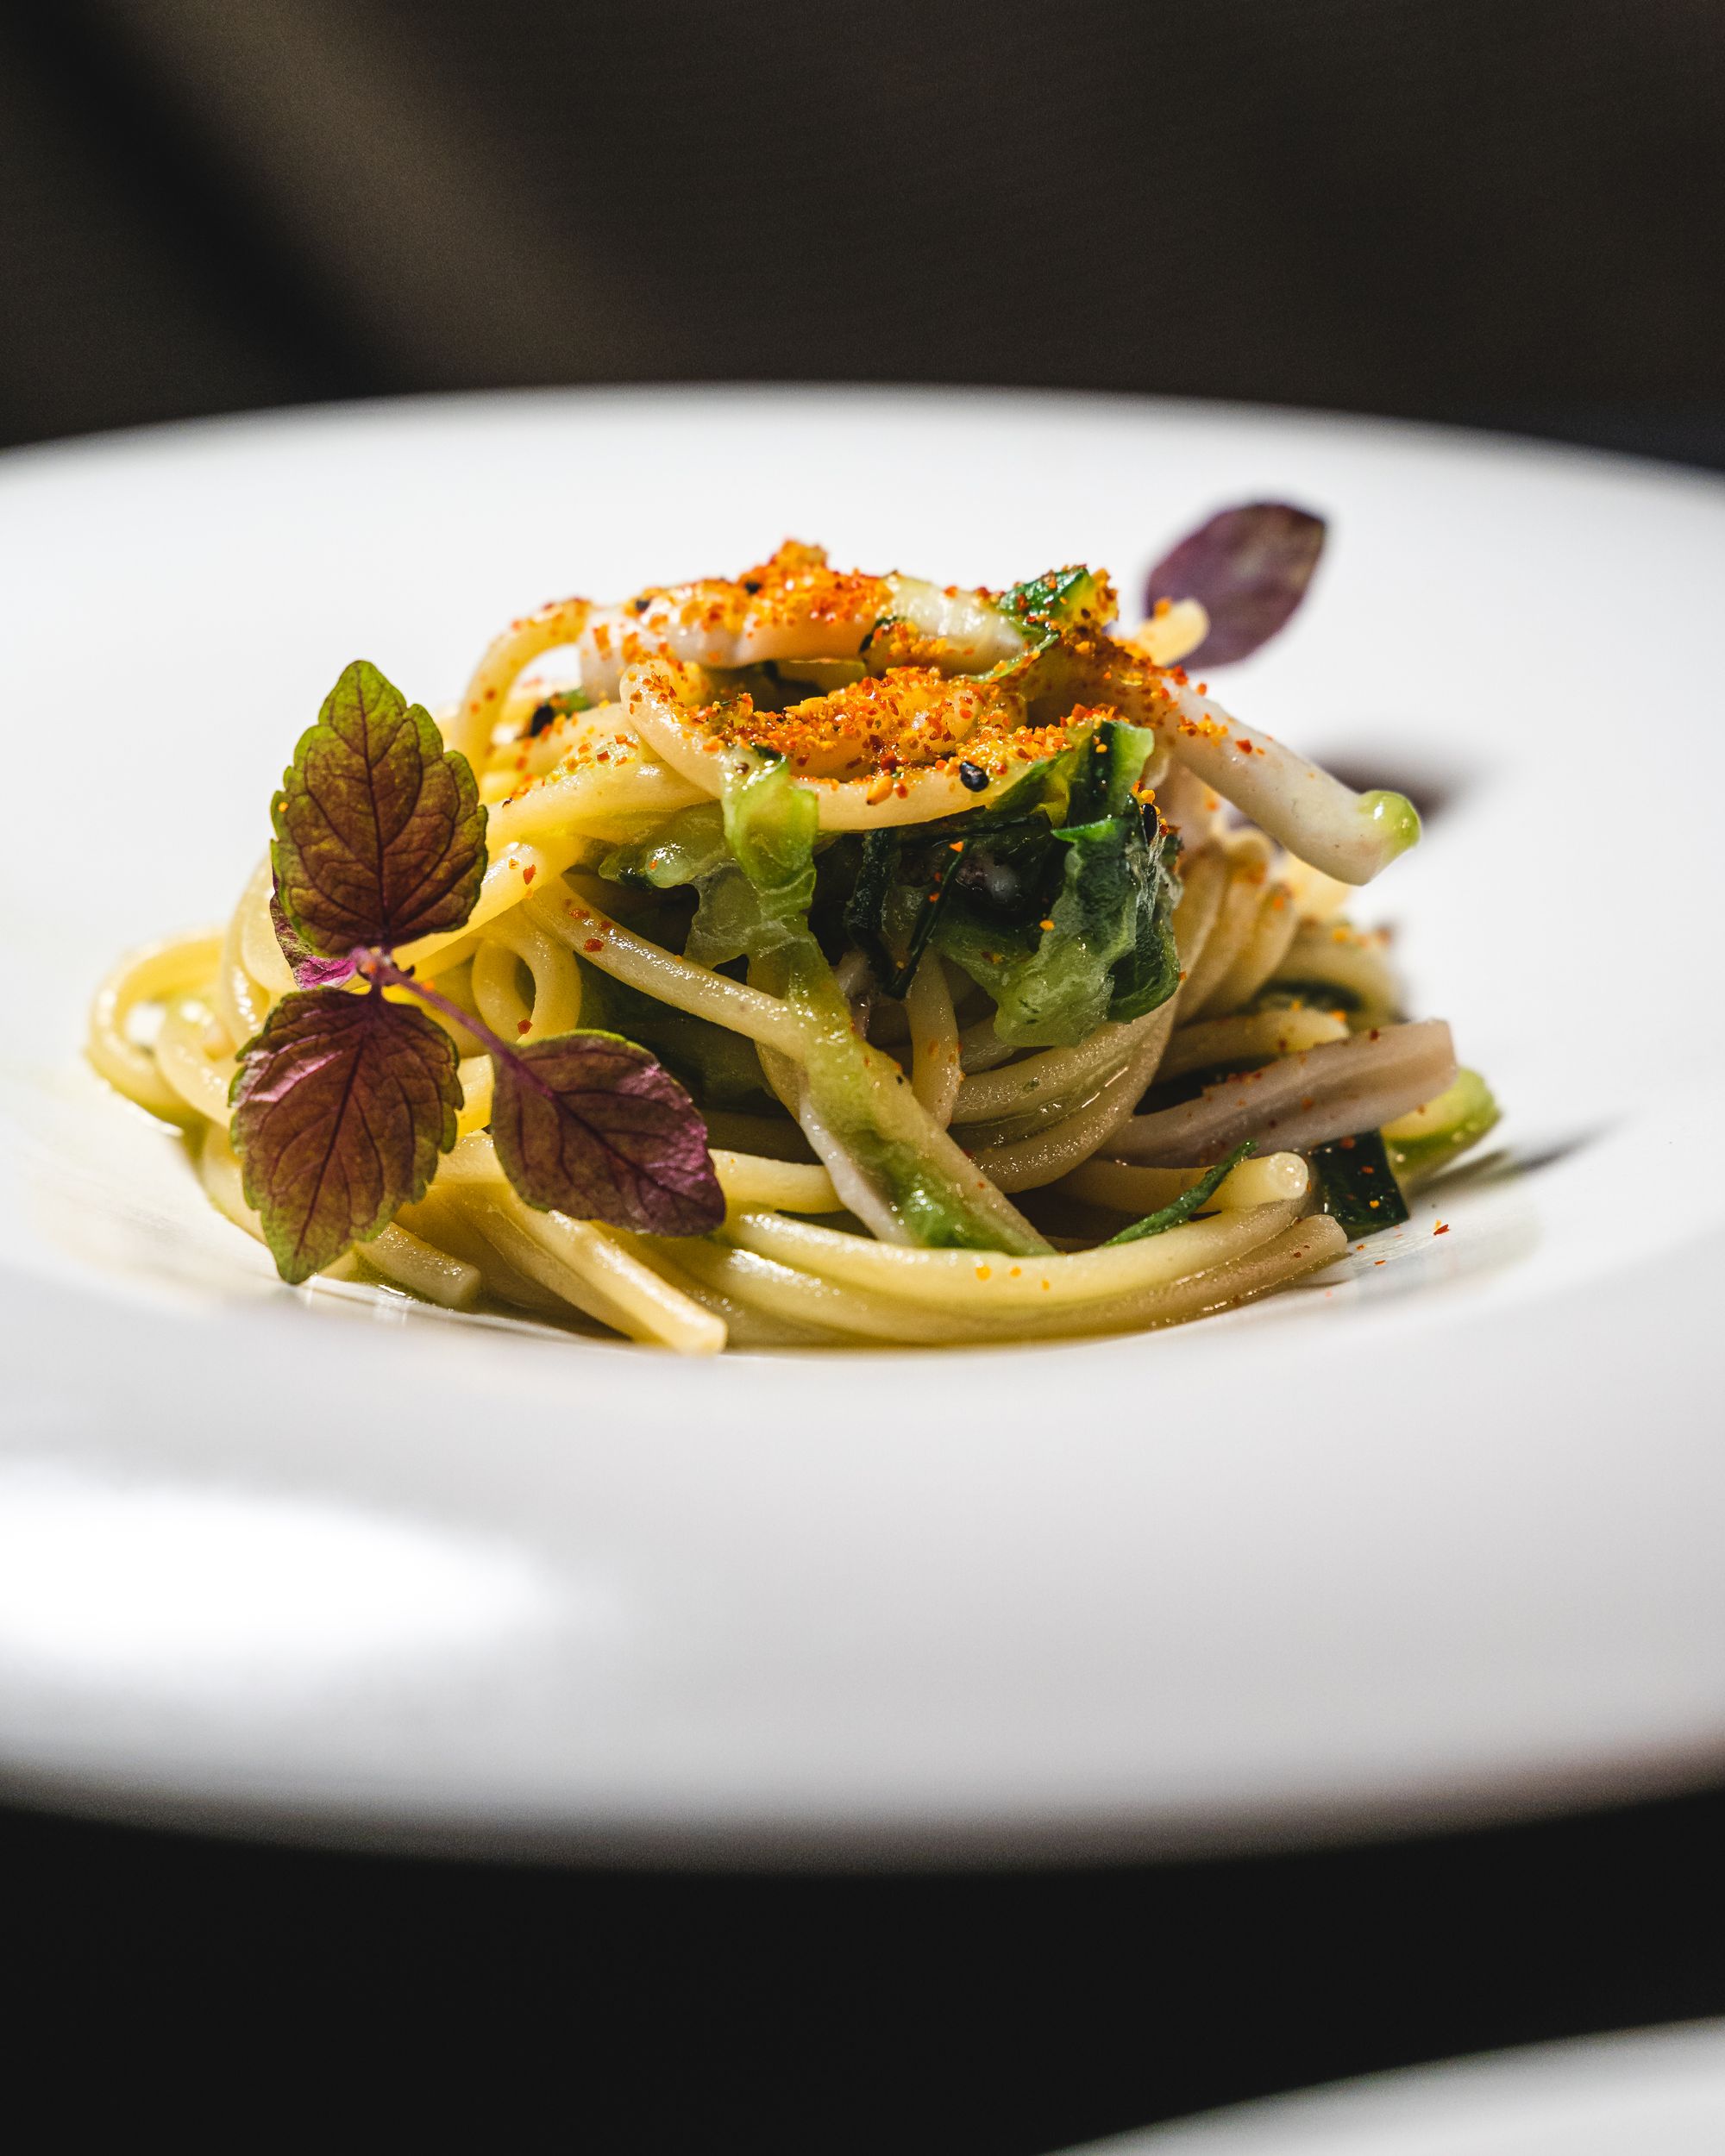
[
  {"x": 379, "y": 836},
  {"x": 1248, "y": 568},
  {"x": 341, "y": 1105},
  {"x": 589, "y": 1124},
  {"x": 308, "y": 970}
]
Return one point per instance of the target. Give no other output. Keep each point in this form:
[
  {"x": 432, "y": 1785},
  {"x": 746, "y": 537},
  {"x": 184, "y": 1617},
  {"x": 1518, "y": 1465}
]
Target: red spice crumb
[
  {"x": 530, "y": 872},
  {"x": 593, "y": 943},
  {"x": 1442, "y": 1228},
  {"x": 524, "y": 1026}
]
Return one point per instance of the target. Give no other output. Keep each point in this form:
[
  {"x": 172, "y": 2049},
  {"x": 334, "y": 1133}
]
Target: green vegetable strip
[
  {"x": 1179, "y": 1210},
  {"x": 941, "y": 1201},
  {"x": 1359, "y": 1187},
  {"x": 752, "y": 864}
]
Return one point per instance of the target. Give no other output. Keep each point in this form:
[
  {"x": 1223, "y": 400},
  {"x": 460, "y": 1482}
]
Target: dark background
[{"x": 1501, "y": 211}]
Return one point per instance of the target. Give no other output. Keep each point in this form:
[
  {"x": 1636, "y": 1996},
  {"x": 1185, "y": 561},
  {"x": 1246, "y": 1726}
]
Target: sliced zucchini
[{"x": 1428, "y": 1137}]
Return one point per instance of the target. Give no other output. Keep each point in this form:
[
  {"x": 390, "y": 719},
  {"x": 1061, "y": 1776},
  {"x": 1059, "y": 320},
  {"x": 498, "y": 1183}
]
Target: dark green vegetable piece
[
  {"x": 896, "y": 900},
  {"x": 1179, "y": 1210},
  {"x": 1068, "y": 928},
  {"x": 1106, "y": 769},
  {"x": 1059, "y": 900},
  {"x": 1358, "y": 1185}
]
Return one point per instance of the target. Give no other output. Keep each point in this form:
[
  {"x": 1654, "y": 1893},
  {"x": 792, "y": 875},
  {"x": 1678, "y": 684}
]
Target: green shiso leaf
[
  {"x": 379, "y": 834},
  {"x": 341, "y": 1105}
]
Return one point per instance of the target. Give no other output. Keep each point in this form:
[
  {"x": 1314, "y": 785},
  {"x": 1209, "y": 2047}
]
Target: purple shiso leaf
[
  {"x": 589, "y": 1124},
  {"x": 341, "y": 1105},
  {"x": 380, "y": 833},
  {"x": 308, "y": 970},
  {"x": 1248, "y": 568}
]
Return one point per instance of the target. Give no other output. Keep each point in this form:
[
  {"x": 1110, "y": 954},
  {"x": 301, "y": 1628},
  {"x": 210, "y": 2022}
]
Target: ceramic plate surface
[
  {"x": 1432, "y": 1537},
  {"x": 1659, "y": 2092}
]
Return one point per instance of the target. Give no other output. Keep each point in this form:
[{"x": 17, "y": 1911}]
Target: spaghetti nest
[{"x": 999, "y": 1027}]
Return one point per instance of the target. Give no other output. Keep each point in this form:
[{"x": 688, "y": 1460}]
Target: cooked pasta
[{"x": 1004, "y": 965}]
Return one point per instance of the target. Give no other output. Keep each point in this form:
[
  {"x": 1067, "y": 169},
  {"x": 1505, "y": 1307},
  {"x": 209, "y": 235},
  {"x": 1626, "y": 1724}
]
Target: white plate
[
  {"x": 1440, "y": 1538},
  {"x": 1660, "y": 2092}
]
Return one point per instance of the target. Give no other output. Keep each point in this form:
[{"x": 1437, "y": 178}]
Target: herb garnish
[
  {"x": 1248, "y": 568},
  {"x": 379, "y": 836},
  {"x": 344, "y": 1101},
  {"x": 341, "y": 1105}
]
